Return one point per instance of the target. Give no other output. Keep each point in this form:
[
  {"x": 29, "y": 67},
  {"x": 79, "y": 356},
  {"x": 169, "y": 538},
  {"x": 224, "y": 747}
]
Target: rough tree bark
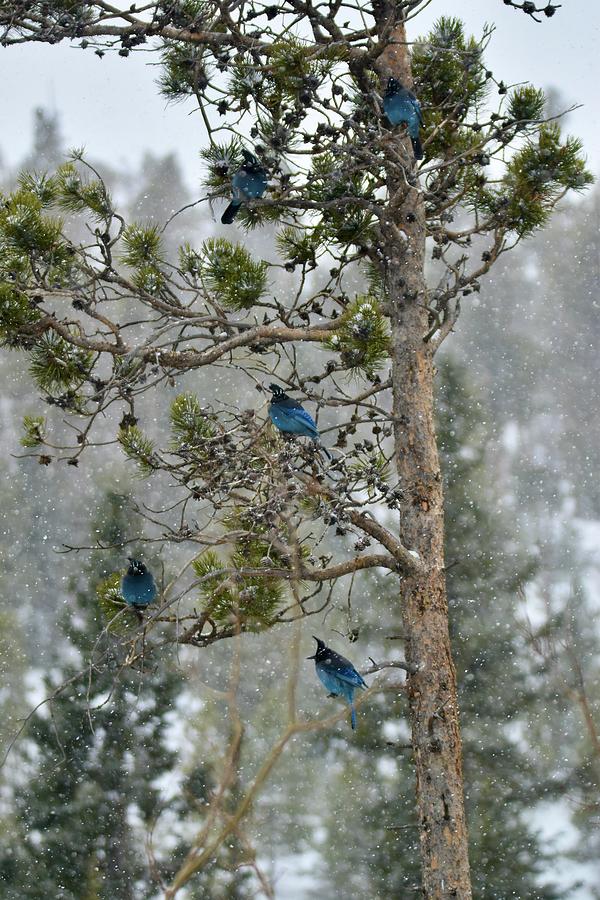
[
  {"x": 432, "y": 688},
  {"x": 401, "y": 232}
]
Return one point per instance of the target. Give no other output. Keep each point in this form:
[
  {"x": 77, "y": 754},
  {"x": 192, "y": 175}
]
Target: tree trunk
[{"x": 432, "y": 688}]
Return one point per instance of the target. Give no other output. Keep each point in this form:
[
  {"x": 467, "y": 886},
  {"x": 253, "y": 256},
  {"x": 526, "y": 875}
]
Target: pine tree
[
  {"x": 87, "y": 795},
  {"x": 489, "y": 564},
  {"x": 160, "y": 194},
  {"x": 355, "y": 198},
  {"x": 48, "y": 150},
  {"x": 547, "y": 478}
]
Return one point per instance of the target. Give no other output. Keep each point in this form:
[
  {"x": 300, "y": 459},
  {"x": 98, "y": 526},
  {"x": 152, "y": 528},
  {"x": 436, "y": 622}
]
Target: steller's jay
[
  {"x": 248, "y": 183},
  {"x": 401, "y": 105},
  {"x": 290, "y": 417},
  {"x": 137, "y": 586},
  {"x": 338, "y": 675}
]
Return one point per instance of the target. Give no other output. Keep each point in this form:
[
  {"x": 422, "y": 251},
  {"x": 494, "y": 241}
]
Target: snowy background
[{"x": 521, "y": 463}]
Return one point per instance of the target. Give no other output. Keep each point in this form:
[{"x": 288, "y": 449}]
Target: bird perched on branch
[
  {"x": 137, "y": 585},
  {"x": 248, "y": 183},
  {"x": 338, "y": 675},
  {"x": 401, "y": 105},
  {"x": 290, "y": 417}
]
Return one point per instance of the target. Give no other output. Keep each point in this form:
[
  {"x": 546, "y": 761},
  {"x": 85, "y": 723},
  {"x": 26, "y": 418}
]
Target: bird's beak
[{"x": 130, "y": 559}]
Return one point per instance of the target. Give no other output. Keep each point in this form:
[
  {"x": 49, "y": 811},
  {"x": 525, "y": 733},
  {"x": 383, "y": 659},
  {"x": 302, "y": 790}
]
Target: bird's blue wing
[
  {"x": 294, "y": 420},
  {"x": 418, "y": 109},
  {"x": 351, "y": 676},
  {"x": 288, "y": 403},
  {"x": 341, "y": 682},
  {"x": 329, "y": 680},
  {"x": 402, "y": 107},
  {"x": 257, "y": 184},
  {"x": 238, "y": 181},
  {"x": 343, "y": 669},
  {"x": 392, "y": 106},
  {"x": 250, "y": 186},
  {"x": 138, "y": 590},
  {"x": 306, "y": 418}
]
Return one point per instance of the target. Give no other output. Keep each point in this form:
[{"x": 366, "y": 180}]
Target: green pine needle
[
  {"x": 361, "y": 337},
  {"x": 536, "y": 177},
  {"x": 34, "y": 428},
  {"x": 57, "y": 365},
  {"x": 189, "y": 422},
  {"x": 77, "y": 193},
  {"x": 17, "y": 314},
  {"x": 229, "y": 271},
  {"x": 222, "y": 160},
  {"x": 298, "y": 245},
  {"x": 41, "y": 185},
  {"x": 25, "y": 230},
  {"x": 143, "y": 246},
  {"x": 118, "y": 618},
  {"x": 184, "y": 71},
  {"x": 138, "y": 448},
  {"x": 526, "y": 104},
  {"x": 254, "y": 598}
]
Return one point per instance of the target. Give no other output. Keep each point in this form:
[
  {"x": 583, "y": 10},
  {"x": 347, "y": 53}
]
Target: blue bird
[
  {"x": 338, "y": 675},
  {"x": 248, "y": 183},
  {"x": 290, "y": 417},
  {"x": 401, "y": 105},
  {"x": 137, "y": 585}
]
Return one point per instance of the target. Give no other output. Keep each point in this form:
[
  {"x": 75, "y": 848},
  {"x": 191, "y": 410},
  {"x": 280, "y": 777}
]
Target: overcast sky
[{"x": 112, "y": 107}]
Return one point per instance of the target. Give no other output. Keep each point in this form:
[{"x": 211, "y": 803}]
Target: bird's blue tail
[
  {"x": 417, "y": 147},
  {"x": 353, "y": 716},
  {"x": 230, "y": 213}
]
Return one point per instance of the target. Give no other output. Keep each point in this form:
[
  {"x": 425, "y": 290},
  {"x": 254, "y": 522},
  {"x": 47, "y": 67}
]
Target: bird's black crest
[
  {"x": 322, "y": 649},
  {"x": 277, "y": 391},
  {"x": 250, "y": 160},
  {"x": 393, "y": 86},
  {"x": 136, "y": 566}
]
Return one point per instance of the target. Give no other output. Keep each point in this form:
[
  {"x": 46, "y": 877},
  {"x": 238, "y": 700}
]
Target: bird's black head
[
  {"x": 250, "y": 160},
  {"x": 393, "y": 86},
  {"x": 136, "y": 567},
  {"x": 322, "y": 650},
  {"x": 278, "y": 392}
]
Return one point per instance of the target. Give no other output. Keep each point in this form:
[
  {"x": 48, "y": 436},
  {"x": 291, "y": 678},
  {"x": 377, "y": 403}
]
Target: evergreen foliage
[
  {"x": 361, "y": 337},
  {"x": 118, "y": 618},
  {"x": 17, "y": 315},
  {"x": 228, "y": 592},
  {"x": 34, "y": 428},
  {"x": 189, "y": 422},
  {"x": 142, "y": 246},
  {"x": 108, "y": 317},
  {"x": 138, "y": 448},
  {"x": 221, "y": 161},
  {"x": 92, "y": 761},
  {"x": 229, "y": 271},
  {"x": 329, "y": 205},
  {"x": 77, "y": 194},
  {"x": 56, "y": 365},
  {"x": 27, "y": 234}
]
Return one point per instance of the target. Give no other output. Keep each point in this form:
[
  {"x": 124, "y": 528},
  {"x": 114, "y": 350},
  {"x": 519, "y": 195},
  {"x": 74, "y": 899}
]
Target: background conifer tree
[
  {"x": 498, "y": 702},
  {"x": 86, "y": 794},
  {"x": 353, "y": 198}
]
